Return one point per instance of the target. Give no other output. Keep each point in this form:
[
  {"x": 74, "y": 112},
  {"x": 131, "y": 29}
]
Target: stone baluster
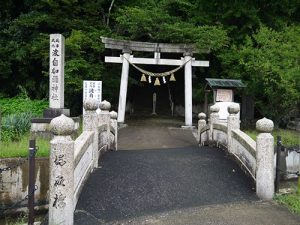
[
  {"x": 90, "y": 123},
  {"x": 114, "y": 124},
  {"x": 61, "y": 194},
  {"x": 104, "y": 118},
  {"x": 201, "y": 124},
  {"x": 233, "y": 122},
  {"x": 265, "y": 172},
  {"x": 214, "y": 118}
]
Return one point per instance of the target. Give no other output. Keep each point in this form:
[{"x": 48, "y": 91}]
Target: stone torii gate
[{"x": 128, "y": 46}]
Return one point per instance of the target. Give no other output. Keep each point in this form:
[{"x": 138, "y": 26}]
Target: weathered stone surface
[
  {"x": 56, "y": 71},
  {"x": 234, "y": 108},
  {"x": 105, "y": 105},
  {"x": 264, "y": 125},
  {"x": 53, "y": 112},
  {"x": 201, "y": 116},
  {"x": 214, "y": 108},
  {"x": 90, "y": 104},
  {"x": 113, "y": 115},
  {"x": 201, "y": 124},
  {"x": 61, "y": 186},
  {"x": 265, "y": 173},
  {"x": 62, "y": 125}
]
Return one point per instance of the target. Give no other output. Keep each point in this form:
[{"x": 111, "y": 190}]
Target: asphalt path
[{"x": 160, "y": 176}]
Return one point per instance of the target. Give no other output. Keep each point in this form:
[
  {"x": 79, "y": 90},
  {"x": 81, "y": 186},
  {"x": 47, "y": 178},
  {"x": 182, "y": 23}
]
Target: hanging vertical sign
[
  {"x": 92, "y": 89},
  {"x": 56, "y": 71}
]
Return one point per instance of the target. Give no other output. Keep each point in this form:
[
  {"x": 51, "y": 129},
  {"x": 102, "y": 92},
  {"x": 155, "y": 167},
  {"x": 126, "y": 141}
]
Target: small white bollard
[
  {"x": 265, "y": 173},
  {"x": 233, "y": 122},
  {"x": 201, "y": 124},
  {"x": 61, "y": 187}
]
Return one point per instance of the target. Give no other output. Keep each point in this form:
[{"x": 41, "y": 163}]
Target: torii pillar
[
  {"x": 188, "y": 104},
  {"x": 123, "y": 86}
]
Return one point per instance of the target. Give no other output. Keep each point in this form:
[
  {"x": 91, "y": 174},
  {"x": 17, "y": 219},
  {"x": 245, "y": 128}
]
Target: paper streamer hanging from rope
[{"x": 151, "y": 74}]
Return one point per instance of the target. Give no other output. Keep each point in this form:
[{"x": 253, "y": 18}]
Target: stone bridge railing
[
  {"x": 256, "y": 158},
  {"x": 71, "y": 162}
]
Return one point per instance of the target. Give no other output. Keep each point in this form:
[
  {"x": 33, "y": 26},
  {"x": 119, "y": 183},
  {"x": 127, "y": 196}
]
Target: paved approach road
[{"x": 161, "y": 177}]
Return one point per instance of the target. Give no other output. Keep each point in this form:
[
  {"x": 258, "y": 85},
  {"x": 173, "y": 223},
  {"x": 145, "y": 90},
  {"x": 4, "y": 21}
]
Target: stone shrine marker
[
  {"x": 56, "y": 71},
  {"x": 56, "y": 77}
]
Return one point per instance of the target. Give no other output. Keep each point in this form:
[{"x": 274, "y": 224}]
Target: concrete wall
[{"x": 14, "y": 183}]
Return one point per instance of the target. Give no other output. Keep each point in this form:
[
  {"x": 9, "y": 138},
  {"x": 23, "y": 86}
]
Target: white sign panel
[
  {"x": 56, "y": 71},
  {"x": 224, "y": 95},
  {"x": 92, "y": 89}
]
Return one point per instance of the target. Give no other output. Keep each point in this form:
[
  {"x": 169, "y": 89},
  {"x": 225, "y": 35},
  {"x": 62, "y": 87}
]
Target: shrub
[
  {"x": 19, "y": 105},
  {"x": 15, "y": 125}
]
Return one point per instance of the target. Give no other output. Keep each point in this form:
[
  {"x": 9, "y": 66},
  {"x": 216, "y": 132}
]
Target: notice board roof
[{"x": 224, "y": 83}]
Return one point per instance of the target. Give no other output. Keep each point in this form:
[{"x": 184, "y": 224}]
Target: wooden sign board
[{"x": 224, "y": 95}]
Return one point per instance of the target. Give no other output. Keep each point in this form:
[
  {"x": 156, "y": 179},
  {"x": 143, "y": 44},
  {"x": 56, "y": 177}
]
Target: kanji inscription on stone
[{"x": 56, "y": 71}]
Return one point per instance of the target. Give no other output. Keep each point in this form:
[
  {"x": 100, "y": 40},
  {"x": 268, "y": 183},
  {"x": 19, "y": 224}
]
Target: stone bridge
[{"x": 162, "y": 174}]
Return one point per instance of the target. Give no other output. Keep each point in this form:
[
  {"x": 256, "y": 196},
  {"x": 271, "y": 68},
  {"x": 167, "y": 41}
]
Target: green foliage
[
  {"x": 13, "y": 149},
  {"x": 256, "y": 41},
  {"x": 14, "y": 126},
  {"x": 288, "y": 137},
  {"x": 20, "y": 105},
  {"x": 268, "y": 63},
  {"x": 17, "y": 114},
  {"x": 292, "y": 201}
]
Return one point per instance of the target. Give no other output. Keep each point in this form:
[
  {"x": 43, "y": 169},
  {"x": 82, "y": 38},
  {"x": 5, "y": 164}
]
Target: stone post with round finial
[
  {"x": 265, "y": 173},
  {"x": 90, "y": 123},
  {"x": 214, "y": 118},
  {"x": 114, "y": 124},
  {"x": 233, "y": 122},
  {"x": 104, "y": 118},
  {"x": 201, "y": 124},
  {"x": 61, "y": 183}
]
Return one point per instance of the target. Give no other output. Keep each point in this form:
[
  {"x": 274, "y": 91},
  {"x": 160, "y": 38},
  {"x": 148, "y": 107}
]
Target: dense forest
[{"x": 256, "y": 41}]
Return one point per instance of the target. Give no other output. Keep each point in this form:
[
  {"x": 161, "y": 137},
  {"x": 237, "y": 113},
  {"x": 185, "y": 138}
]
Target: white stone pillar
[
  {"x": 214, "y": 118},
  {"x": 56, "y": 71},
  {"x": 265, "y": 173},
  {"x": 114, "y": 124},
  {"x": 188, "y": 90},
  {"x": 123, "y": 87},
  {"x": 61, "y": 184},
  {"x": 90, "y": 123},
  {"x": 233, "y": 122},
  {"x": 201, "y": 124},
  {"x": 104, "y": 118}
]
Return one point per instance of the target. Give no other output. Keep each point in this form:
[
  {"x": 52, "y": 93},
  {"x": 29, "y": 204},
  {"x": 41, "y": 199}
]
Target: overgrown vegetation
[
  {"x": 16, "y": 115},
  {"x": 256, "y": 41},
  {"x": 292, "y": 201},
  {"x": 288, "y": 137},
  {"x": 19, "y": 148},
  {"x": 19, "y": 104}
]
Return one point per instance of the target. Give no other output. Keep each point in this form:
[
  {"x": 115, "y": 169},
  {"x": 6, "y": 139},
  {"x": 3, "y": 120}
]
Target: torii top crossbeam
[
  {"x": 148, "y": 46},
  {"x": 128, "y": 46}
]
